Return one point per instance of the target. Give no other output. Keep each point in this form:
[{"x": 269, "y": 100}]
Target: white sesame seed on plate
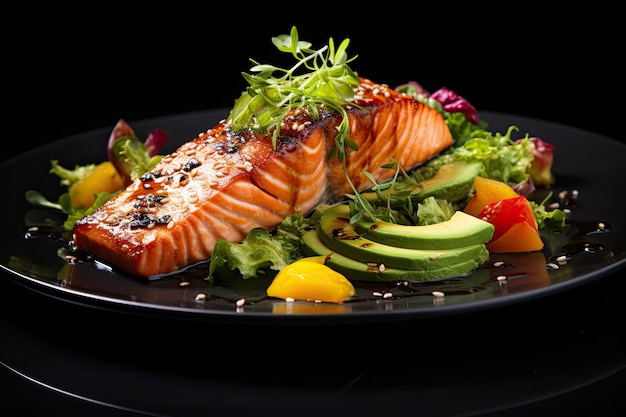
[{"x": 552, "y": 265}]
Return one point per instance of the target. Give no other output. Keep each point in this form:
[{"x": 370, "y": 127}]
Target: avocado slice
[
  {"x": 461, "y": 230},
  {"x": 338, "y": 234},
  {"x": 355, "y": 270},
  {"x": 452, "y": 181}
]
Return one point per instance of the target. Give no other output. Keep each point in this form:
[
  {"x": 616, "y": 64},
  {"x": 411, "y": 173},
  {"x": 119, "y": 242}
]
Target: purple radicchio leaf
[
  {"x": 525, "y": 187},
  {"x": 454, "y": 103},
  {"x": 157, "y": 138}
]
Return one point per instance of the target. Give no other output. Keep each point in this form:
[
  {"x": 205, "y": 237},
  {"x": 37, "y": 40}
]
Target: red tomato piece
[
  {"x": 515, "y": 225},
  {"x": 503, "y": 214}
]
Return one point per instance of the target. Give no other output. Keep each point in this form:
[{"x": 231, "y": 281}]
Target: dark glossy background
[{"x": 85, "y": 72}]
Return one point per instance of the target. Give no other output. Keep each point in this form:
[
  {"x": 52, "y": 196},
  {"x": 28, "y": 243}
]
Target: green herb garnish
[{"x": 273, "y": 91}]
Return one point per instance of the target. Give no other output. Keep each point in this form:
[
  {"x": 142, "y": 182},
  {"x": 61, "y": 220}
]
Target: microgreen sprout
[{"x": 273, "y": 91}]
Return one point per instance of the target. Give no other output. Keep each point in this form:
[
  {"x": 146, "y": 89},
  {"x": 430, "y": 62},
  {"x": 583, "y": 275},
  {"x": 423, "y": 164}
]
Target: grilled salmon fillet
[{"x": 222, "y": 184}]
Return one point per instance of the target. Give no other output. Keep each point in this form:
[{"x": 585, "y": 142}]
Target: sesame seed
[
  {"x": 561, "y": 259},
  {"x": 200, "y": 296},
  {"x": 183, "y": 283},
  {"x": 387, "y": 295},
  {"x": 438, "y": 298},
  {"x": 501, "y": 278},
  {"x": 563, "y": 194},
  {"x": 240, "y": 302},
  {"x": 575, "y": 193},
  {"x": 601, "y": 226},
  {"x": 498, "y": 264},
  {"x": 552, "y": 265},
  {"x": 381, "y": 267},
  {"x": 377, "y": 294},
  {"x": 290, "y": 299}
]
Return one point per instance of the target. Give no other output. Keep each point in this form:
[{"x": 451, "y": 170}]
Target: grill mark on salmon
[{"x": 222, "y": 184}]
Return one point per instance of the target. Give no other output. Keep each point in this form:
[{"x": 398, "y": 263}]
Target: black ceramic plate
[{"x": 585, "y": 163}]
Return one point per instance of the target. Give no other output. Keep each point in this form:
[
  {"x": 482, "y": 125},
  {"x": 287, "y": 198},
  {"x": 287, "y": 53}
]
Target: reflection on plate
[{"x": 581, "y": 253}]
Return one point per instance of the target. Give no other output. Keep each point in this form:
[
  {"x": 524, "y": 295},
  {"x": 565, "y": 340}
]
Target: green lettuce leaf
[{"x": 260, "y": 250}]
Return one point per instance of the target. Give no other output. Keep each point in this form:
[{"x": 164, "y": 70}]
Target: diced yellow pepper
[
  {"x": 310, "y": 279},
  {"x": 103, "y": 177}
]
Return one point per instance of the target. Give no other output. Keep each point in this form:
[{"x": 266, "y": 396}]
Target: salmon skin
[{"x": 222, "y": 184}]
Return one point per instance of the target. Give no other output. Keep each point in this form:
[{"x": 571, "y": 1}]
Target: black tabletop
[{"x": 560, "y": 354}]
